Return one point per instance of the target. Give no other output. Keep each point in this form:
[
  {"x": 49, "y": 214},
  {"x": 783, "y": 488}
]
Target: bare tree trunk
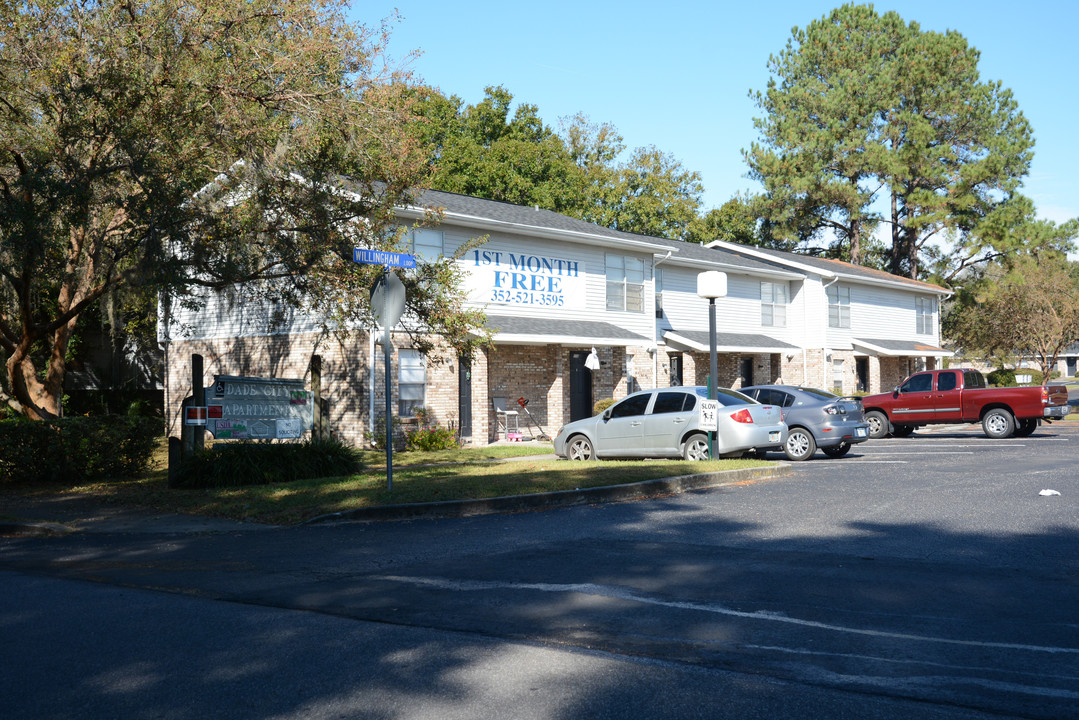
[
  {"x": 897, "y": 237},
  {"x": 856, "y": 242}
]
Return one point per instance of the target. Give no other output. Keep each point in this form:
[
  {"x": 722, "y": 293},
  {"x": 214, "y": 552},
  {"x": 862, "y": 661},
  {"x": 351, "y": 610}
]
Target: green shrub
[
  {"x": 602, "y": 405},
  {"x": 230, "y": 464},
  {"x": 1001, "y": 377},
  {"x": 75, "y": 449},
  {"x": 428, "y": 438}
]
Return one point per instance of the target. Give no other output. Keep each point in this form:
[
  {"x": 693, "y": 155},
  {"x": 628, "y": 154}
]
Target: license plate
[
  {"x": 773, "y": 436},
  {"x": 859, "y": 432}
]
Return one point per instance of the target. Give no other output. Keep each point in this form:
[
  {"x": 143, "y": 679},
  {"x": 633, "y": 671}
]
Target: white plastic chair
[{"x": 505, "y": 418}]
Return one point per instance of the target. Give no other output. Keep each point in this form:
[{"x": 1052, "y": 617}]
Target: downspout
[
  {"x": 655, "y": 323},
  {"x": 824, "y": 351}
]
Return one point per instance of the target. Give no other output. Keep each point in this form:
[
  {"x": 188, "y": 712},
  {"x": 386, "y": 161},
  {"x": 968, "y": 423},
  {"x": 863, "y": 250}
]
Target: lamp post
[{"x": 711, "y": 285}]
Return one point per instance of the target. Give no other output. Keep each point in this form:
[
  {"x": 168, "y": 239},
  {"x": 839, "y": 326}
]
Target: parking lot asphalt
[{"x": 922, "y": 576}]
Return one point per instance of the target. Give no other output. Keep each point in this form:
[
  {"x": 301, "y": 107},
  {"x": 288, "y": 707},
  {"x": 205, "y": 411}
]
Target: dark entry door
[
  {"x": 676, "y": 370},
  {"x": 746, "y": 371},
  {"x": 580, "y": 387},
  {"x": 861, "y": 367},
  {"x": 464, "y": 394}
]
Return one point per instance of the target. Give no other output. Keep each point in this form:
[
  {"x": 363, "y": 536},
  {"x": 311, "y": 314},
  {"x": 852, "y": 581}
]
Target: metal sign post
[
  {"x": 387, "y": 305},
  {"x": 389, "y": 387}
]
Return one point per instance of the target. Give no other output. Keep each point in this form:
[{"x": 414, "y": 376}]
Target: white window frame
[
  {"x": 838, "y": 306},
  {"x": 925, "y": 316},
  {"x": 411, "y": 381},
  {"x": 774, "y": 300},
  {"x": 625, "y": 283},
  {"x": 426, "y": 244}
]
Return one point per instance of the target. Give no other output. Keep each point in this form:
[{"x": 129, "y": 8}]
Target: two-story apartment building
[{"x": 554, "y": 290}]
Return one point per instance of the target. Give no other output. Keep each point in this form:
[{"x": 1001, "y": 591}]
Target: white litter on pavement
[{"x": 1048, "y": 492}]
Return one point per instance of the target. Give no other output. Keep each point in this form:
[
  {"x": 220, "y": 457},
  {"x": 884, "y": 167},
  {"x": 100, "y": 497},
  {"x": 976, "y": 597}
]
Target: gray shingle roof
[
  {"x": 747, "y": 342},
  {"x": 569, "y": 331},
  {"x": 901, "y": 347},
  {"x": 546, "y": 219},
  {"x": 839, "y": 267}
]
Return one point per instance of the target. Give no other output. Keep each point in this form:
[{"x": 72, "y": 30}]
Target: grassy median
[{"x": 471, "y": 473}]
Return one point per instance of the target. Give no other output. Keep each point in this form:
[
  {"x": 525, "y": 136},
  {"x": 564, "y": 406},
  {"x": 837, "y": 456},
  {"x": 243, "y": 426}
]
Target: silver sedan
[{"x": 665, "y": 423}]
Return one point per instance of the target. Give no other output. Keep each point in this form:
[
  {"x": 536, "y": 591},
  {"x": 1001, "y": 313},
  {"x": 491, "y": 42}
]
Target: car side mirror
[
  {"x": 895, "y": 390},
  {"x": 607, "y": 414}
]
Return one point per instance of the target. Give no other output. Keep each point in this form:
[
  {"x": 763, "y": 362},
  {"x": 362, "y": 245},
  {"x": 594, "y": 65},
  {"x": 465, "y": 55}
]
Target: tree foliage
[
  {"x": 484, "y": 151},
  {"x": 869, "y": 120},
  {"x": 1027, "y": 306},
  {"x": 188, "y": 144}
]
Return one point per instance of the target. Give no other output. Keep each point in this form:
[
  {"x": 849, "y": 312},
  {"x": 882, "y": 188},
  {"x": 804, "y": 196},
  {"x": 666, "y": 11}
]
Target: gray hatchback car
[
  {"x": 815, "y": 419},
  {"x": 664, "y": 423}
]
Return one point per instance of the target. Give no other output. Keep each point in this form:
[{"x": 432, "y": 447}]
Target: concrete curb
[{"x": 564, "y": 498}]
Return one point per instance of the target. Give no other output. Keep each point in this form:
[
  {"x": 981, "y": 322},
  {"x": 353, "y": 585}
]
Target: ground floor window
[
  {"x": 837, "y": 376},
  {"x": 411, "y": 382}
]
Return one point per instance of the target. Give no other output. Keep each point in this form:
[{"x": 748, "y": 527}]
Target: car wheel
[
  {"x": 580, "y": 448},
  {"x": 1025, "y": 428},
  {"x": 800, "y": 444},
  {"x": 998, "y": 423},
  {"x": 878, "y": 424},
  {"x": 696, "y": 448},
  {"x": 902, "y": 431},
  {"x": 836, "y": 451}
]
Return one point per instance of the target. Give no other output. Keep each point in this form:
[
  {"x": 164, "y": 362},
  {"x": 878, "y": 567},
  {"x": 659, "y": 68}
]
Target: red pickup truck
[{"x": 961, "y": 396}]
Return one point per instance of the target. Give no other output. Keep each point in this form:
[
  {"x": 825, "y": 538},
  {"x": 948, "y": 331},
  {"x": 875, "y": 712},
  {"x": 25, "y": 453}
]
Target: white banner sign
[{"x": 498, "y": 277}]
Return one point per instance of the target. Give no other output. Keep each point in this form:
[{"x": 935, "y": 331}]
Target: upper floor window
[
  {"x": 774, "y": 299},
  {"x": 625, "y": 283},
  {"x": 924, "y": 309},
  {"x": 426, "y": 244},
  {"x": 838, "y": 306}
]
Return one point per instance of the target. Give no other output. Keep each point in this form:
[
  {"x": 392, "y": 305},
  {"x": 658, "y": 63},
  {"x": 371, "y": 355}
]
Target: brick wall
[{"x": 539, "y": 373}]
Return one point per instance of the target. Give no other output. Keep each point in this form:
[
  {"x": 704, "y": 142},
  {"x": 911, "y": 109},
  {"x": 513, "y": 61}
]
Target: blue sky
[{"x": 677, "y": 74}]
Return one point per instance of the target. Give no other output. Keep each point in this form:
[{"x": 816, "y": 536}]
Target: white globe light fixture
[{"x": 712, "y": 284}]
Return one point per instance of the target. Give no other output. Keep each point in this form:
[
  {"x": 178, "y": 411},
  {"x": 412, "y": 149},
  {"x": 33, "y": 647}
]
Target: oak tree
[
  {"x": 188, "y": 144},
  {"x": 1026, "y": 306}
]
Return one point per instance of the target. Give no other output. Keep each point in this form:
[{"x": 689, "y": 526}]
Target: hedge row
[
  {"x": 76, "y": 449},
  {"x": 233, "y": 463}
]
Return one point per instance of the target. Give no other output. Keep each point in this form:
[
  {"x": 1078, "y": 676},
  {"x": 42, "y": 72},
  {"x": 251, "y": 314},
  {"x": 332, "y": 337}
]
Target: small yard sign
[{"x": 709, "y": 416}]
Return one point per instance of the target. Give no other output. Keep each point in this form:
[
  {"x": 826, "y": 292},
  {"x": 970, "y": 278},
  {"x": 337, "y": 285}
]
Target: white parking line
[
  {"x": 860, "y": 461},
  {"x": 919, "y": 452},
  {"x": 952, "y": 445},
  {"x": 621, "y": 593}
]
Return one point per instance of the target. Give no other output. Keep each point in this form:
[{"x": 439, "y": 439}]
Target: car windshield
[{"x": 822, "y": 394}]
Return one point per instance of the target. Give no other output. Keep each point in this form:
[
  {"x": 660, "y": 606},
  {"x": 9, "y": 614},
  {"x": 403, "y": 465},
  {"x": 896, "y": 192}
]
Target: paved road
[{"x": 924, "y": 576}]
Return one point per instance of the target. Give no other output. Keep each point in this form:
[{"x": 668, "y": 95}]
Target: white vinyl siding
[
  {"x": 625, "y": 283},
  {"x": 411, "y": 382},
  {"x": 838, "y": 306},
  {"x": 774, "y": 300}
]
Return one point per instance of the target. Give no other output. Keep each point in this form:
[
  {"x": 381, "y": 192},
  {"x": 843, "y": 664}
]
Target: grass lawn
[{"x": 471, "y": 473}]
